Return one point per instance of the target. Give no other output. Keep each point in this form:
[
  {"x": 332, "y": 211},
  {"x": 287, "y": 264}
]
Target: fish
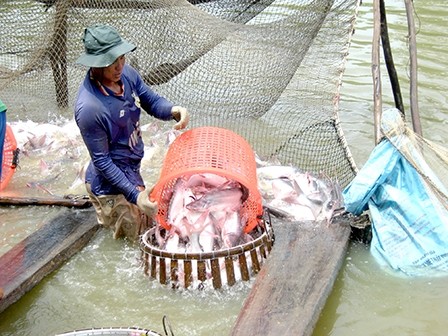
[
  {"x": 36, "y": 142},
  {"x": 40, "y": 185},
  {"x": 194, "y": 246},
  {"x": 208, "y": 235},
  {"x": 176, "y": 212},
  {"x": 204, "y": 212},
  {"x": 80, "y": 176},
  {"x": 335, "y": 204},
  {"x": 309, "y": 185},
  {"x": 208, "y": 179},
  {"x": 287, "y": 193},
  {"x": 223, "y": 198},
  {"x": 172, "y": 242},
  {"x": 276, "y": 172},
  {"x": 266, "y": 175},
  {"x": 196, "y": 221},
  {"x": 171, "y": 135},
  {"x": 313, "y": 200},
  {"x": 32, "y": 136},
  {"x": 284, "y": 189},
  {"x": 290, "y": 193},
  {"x": 292, "y": 211},
  {"x": 232, "y": 230}
]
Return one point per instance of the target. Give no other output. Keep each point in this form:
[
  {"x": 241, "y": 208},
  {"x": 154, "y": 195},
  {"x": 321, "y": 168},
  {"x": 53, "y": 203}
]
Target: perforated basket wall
[
  {"x": 8, "y": 163},
  {"x": 209, "y": 150}
]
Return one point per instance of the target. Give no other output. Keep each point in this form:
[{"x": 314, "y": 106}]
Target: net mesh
[
  {"x": 429, "y": 158},
  {"x": 268, "y": 70}
]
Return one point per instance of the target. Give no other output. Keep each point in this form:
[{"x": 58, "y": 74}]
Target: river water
[
  {"x": 368, "y": 300},
  {"x": 103, "y": 285}
]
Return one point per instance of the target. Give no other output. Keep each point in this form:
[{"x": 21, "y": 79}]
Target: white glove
[
  {"x": 180, "y": 114},
  {"x": 145, "y": 205}
]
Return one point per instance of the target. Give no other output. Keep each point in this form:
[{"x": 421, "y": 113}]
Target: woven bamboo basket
[{"x": 217, "y": 268}]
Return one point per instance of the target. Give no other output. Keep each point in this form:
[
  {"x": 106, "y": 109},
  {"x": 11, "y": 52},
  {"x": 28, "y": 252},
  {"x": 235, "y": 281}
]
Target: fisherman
[
  {"x": 2, "y": 131},
  {"x": 107, "y": 112}
]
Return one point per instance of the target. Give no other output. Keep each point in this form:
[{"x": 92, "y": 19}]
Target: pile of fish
[
  {"x": 53, "y": 157},
  {"x": 299, "y": 196},
  {"x": 204, "y": 210},
  {"x": 204, "y": 215}
]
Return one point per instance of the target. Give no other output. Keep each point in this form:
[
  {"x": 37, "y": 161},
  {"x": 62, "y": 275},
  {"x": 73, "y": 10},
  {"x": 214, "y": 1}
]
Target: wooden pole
[
  {"x": 60, "y": 201},
  {"x": 376, "y": 75},
  {"x": 413, "y": 71},
  {"x": 387, "y": 51}
]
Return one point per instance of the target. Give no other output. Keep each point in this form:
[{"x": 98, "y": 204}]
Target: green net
[{"x": 268, "y": 70}]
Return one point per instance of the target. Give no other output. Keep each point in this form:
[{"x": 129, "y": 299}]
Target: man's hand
[
  {"x": 145, "y": 205},
  {"x": 180, "y": 114}
]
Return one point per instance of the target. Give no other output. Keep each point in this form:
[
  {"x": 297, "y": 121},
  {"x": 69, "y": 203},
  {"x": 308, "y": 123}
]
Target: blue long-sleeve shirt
[{"x": 110, "y": 127}]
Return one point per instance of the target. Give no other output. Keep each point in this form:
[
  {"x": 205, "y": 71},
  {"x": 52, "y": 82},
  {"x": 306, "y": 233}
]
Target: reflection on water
[{"x": 104, "y": 285}]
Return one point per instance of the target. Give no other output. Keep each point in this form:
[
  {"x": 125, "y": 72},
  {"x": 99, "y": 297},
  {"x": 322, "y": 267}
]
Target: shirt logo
[
  {"x": 122, "y": 113},
  {"x": 136, "y": 99}
]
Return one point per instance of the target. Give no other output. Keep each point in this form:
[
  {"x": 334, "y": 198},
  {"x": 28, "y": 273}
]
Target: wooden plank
[
  {"x": 45, "y": 250},
  {"x": 293, "y": 285},
  {"x": 75, "y": 202}
]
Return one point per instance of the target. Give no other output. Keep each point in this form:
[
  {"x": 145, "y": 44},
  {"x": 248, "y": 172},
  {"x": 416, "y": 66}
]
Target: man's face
[{"x": 112, "y": 73}]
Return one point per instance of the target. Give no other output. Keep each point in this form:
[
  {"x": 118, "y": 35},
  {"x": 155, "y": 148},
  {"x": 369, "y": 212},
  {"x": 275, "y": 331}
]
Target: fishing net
[
  {"x": 267, "y": 70},
  {"x": 428, "y": 158}
]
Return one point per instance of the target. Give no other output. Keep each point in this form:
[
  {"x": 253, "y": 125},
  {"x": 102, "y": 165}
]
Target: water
[
  {"x": 357, "y": 92},
  {"x": 369, "y": 300},
  {"x": 103, "y": 285}
]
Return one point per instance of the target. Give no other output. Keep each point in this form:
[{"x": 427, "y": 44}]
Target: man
[{"x": 107, "y": 112}]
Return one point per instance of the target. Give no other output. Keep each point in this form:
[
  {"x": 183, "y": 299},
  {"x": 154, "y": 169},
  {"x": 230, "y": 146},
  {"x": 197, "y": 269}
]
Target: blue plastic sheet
[{"x": 409, "y": 224}]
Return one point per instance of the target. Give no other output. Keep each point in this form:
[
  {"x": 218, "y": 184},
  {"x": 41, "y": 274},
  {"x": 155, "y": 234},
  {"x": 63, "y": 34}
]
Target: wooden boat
[{"x": 44, "y": 251}]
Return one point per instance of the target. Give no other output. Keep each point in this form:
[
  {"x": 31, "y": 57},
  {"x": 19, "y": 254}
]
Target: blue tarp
[{"x": 409, "y": 224}]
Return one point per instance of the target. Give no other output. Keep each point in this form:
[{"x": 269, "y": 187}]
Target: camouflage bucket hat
[{"x": 103, "y": 45}]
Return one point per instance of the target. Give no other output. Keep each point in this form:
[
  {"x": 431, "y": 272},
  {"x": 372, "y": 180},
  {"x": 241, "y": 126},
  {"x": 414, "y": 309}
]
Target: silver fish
[
  {"x": 194, "y": 246},
  {"x": 276, "y": 172},
  {"x": 207, "y": 236},
  {"x": 232, "y": 230},
  {"x": 292, "y": 211},
  {"x": 219, "y": 200},
  {"x": 172, "y": 242}
]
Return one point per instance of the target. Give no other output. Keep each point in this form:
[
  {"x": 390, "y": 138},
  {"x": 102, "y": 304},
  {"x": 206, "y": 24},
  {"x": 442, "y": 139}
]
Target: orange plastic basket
[
  {"x": 209, "y": 150},
  {"x": 8, "y": 164}
]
